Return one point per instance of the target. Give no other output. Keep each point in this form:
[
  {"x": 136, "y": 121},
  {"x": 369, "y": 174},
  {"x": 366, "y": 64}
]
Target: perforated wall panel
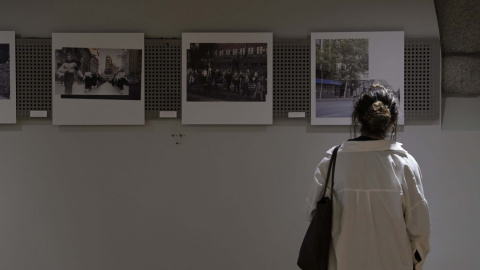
[
  {"x": 291, "y": 77},
  {"x": 162, "y": 76},
  {"x": 34, "y": 76},
  {"x": 422, "y": 79}
]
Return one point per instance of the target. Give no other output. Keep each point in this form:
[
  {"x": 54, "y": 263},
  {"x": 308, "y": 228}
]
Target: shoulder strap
[{"x": 331, "y": 169}]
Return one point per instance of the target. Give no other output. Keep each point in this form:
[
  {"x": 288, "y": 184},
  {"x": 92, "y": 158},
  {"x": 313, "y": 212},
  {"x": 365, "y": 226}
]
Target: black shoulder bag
[{"x": 315, "y": 248}]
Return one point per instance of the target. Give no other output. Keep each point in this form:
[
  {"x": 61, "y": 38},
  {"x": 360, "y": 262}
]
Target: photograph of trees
[
  {"x": 344, "y": 65},
  {"x": 341, "y": 74}
]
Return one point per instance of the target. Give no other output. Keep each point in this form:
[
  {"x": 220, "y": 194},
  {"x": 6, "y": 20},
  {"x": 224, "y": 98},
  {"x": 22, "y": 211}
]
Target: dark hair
[{"x": 376, "y": 111}]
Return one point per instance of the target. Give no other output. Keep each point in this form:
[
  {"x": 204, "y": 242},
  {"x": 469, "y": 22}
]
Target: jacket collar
[{"x": 371, "y": 146}]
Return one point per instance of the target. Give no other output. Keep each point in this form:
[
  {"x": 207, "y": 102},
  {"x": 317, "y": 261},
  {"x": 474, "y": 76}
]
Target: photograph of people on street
[
  {"x": 227, "y": 72},
  {"x": 8, "y": 97},
  {"x": 345, "y": 65},
  {"x": 4, "y": 71},
  {"x": 98, "y": 73}
]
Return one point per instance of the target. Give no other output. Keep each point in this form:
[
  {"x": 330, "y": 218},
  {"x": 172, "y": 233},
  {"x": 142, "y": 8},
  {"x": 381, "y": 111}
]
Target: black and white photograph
[
  {"x": 98, "y": 73},
  {"x": 227, "y": 78},
  {"x": 345, "y": 65},
  {"x": 4, "y": 71},
  {"x": 227, "y": 72},
  {"x": 8, "y": 106},
  {"x": 97, "y": 79}
]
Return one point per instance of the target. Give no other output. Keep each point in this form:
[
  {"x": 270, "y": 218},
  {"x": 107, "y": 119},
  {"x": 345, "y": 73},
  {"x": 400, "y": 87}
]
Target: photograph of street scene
[
  {"x": 4, "y": 71},
  {"x": 342, "y": 73},
  {"x": 98, "y": 73},
  {"x": 227, "y": 72}
]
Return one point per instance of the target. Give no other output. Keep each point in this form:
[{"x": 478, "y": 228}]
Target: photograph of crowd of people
[
  {"x": 4, "y": 71},
  {"x": 98, "y": 73},
  {"x": 227, "y": 72}
]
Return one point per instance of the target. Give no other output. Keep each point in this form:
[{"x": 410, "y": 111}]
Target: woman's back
[
  {"x": 380, "y": 215},
  {"x": 372, "y": 188}
]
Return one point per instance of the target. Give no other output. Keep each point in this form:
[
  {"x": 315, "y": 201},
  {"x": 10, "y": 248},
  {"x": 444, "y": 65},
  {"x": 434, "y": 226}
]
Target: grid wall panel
[
  {"x": 162, "y": 76},
  {"x": 291, "y": 77},
  {"x": 422, "y": 79},
  {"x": 34, "y": 81}
]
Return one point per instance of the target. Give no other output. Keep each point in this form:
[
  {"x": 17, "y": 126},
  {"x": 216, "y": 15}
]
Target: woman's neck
[{"x": 377, "y": 137}]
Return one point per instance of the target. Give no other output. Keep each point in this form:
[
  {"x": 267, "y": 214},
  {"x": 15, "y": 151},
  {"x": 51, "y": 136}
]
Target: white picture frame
[
  {"x": 331, "y": 101},
  {"x": 91, "y": 110},
  {"x": 8, "y": 93},
  {"x": 228, "y": 105}
]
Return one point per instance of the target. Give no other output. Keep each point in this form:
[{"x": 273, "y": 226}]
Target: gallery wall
[{"x": 172, "y": 196}]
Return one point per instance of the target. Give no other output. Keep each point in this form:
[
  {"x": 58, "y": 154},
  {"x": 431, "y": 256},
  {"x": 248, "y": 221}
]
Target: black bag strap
[{"x": 331, "y": 169}]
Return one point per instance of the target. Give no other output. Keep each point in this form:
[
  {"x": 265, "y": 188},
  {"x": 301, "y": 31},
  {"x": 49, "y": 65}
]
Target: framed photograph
[
  {"x": 98, "y": 79},
  {"x": 8, "y": 102},
  {"x": 346, "y": 64},
  {"x": 227, "y": 78}
]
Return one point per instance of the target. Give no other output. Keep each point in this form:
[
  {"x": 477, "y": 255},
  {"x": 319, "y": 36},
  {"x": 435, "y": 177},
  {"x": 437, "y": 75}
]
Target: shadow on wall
[{"x": 460, "y": 41}]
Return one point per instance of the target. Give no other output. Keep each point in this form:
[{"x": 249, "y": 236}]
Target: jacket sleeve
[
  {"x": 318, "y": 185},
  {"x": 417, "y": 218}
]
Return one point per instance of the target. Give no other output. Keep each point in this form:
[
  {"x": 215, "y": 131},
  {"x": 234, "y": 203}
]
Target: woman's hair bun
[
  {"x": 380, "y": 109},
  {"x": 378, "y": 115}
]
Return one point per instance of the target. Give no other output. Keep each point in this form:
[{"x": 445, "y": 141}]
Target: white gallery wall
[{"x": 219, "y": 197}]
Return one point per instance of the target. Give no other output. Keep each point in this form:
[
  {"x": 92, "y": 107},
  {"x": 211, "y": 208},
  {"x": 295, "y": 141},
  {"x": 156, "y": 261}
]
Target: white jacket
[{"x": 380, "y": 215}]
